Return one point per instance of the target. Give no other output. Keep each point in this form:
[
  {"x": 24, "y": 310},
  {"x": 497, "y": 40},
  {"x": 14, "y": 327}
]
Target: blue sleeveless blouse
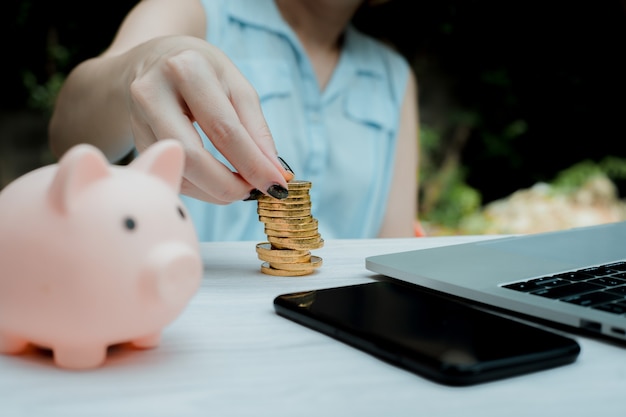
[{"x": 342, "y": 138}]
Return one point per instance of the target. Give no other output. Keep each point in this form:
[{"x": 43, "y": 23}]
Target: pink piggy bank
[{"x": 93, "y": 254}]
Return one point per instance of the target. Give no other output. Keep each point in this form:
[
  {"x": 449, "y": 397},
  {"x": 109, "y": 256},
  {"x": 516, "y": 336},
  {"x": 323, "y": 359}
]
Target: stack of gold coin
[{"x": 291, "y": 233}]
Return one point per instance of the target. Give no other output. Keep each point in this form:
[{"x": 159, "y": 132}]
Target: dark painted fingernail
[
  {"x": 278, "y": 191},
  {"x": 254, "y": 195},
  {"x": 285, "y": 165}
]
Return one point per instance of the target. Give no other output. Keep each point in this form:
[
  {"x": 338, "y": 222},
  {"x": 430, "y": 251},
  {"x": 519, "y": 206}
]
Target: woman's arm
[
  {"x": 92, "y": 104},
  {"x": 156, "y": 79},
  {"x": 401, "y": 213}
]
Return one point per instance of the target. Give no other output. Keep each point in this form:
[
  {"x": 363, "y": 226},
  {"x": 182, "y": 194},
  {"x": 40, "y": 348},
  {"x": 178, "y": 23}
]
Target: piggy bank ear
[
  {"x": 164, "y": 159},
  {"x": 77, "y": 169}
]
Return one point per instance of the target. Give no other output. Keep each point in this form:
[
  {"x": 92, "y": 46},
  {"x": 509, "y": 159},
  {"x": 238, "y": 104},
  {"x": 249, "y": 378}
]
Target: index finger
[{"x": 230, "y": 115}]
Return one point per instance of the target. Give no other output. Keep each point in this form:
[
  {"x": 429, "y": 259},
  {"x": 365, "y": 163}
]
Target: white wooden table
[{"x": 229, "y": 354}]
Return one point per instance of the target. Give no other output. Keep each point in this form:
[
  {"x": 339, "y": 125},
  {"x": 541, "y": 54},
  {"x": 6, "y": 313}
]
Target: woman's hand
[{"x": 174, "y": 81}]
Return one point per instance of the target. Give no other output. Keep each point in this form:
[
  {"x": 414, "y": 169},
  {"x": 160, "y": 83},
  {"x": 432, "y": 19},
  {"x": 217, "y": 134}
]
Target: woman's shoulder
[
  {"x": 234, "y": 14},
  {"x": 370, "y": 48},
  {"x": 378, "y": 62}
]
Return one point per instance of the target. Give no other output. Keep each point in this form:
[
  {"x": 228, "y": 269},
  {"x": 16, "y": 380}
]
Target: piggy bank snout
[{"x": 173, "y": 273}]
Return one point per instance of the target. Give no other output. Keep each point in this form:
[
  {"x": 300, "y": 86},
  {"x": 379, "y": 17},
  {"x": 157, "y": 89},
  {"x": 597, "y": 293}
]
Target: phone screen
[{"x": 434, "y": 336}]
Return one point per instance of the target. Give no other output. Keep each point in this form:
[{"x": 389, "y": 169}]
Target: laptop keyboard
[{"x": 601, "y": 287}]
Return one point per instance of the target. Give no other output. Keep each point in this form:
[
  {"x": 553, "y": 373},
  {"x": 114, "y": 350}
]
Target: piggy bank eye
[
  {"x": 129, "y": 223},
  {"x": 181, "y": 212}
]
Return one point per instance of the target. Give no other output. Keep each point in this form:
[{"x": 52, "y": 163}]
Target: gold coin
[
  {"x": 289, "y": 200},
  {"x": 277, "y": 256},
  {"x": 296, "y": 243},
  {"x": 295, "y": 183},
  {"x": 266, "y": 247},
  {"x": 295, "y": 194},
  {"x": 285, "y": 220},
  {"x": 278, "y": 227},
  {"x": 284, "y": 259},
  {"x": 285, "y": 207},
  {"x": 298, "y": 185},
  {"x": 288, "y": 240},
  {"x": 298, "y": 192},
  {"x": 264, "y": 253},
  {"x": 297, "y": 227},
  {"x": 283, "y": 213},
  {"x": 315, "y": 262},
  {"x": 267, "y": 269},
  {"x": 292, "y": 233}
]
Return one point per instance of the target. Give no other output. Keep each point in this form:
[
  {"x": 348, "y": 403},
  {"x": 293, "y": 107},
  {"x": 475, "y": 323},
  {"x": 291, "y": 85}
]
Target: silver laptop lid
[{"x": 477, "y": 270}]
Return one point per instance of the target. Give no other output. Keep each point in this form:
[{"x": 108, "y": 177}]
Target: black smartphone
[{"x": 440, "y": 338}]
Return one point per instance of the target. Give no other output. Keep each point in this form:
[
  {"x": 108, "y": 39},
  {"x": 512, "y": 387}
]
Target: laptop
[{"x": 574, "y": 277}]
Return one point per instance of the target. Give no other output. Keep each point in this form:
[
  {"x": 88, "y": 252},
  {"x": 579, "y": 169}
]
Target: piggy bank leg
[
  {"x": 12, "y": 344},
  {"x": 83, "y": 357},
  {"x": 148, "y": 342}
]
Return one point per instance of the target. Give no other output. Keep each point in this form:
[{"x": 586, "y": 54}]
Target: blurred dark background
[{"x": 511, "y": 92}]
